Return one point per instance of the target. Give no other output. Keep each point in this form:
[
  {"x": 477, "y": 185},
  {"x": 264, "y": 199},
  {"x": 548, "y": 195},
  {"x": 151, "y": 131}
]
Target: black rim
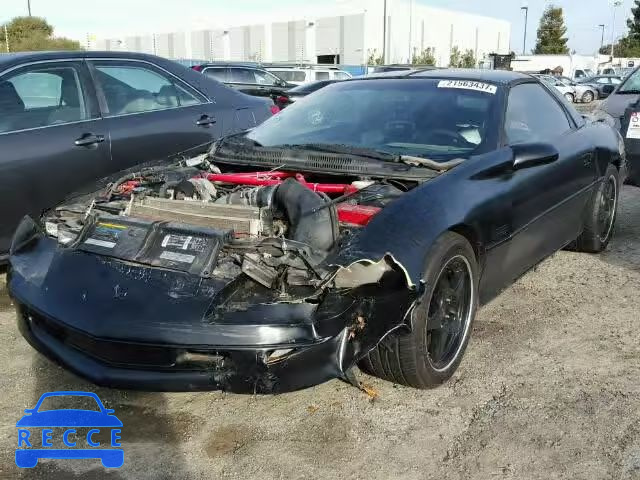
[
  {"x": 607, "y": 208},
  {"x": 449, "y": 313}
]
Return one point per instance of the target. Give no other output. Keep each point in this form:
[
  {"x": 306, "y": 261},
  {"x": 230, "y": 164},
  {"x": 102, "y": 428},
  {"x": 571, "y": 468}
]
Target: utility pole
[
  {"x": 6, "y": 37},
  {"x": 29, "y": 6},
  {"x": 602, "y": 25},
  {"x": 526, "y": 20},
  {"x": 384, "y": 34}
]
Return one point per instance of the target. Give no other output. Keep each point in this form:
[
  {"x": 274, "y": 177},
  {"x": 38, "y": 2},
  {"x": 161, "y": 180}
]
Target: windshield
[
  {"x": 439, "y": 119},
  {"x": 631, "y": 83}
]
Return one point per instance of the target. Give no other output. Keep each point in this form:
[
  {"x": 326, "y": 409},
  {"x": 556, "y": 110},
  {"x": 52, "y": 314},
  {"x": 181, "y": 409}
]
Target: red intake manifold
[{"x": 275, "y": 178}]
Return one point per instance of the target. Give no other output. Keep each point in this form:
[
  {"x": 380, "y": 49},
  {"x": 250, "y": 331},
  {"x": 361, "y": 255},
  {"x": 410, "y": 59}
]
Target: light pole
[
  {"x": 410, "y": 28},
  {"x": 29, "y": 6},
  {"x": 602, "y": 25},
  {"x": 616, "y": 3},
  {"x": 526, "y": 18},
  {"x": 384, "y": 33}
]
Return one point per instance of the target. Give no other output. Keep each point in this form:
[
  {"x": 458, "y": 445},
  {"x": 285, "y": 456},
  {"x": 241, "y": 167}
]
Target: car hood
[{"x": 69, "y": 418}]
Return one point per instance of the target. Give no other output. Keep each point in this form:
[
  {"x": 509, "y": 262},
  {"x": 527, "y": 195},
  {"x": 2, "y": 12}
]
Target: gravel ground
[{"x": 549, "y": 389}]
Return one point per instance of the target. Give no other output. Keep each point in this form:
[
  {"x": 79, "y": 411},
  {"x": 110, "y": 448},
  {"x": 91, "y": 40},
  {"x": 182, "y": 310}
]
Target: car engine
[{"x": 193, "y": 217}]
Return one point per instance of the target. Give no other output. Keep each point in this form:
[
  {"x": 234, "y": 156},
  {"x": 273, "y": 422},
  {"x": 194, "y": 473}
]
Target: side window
[
  {"x": 263, "y": 78},
  {"x": 615, "y": 81},
  {"x": 322, "y": 75},
  {"x": 41, "y": 96},
  {"x": 136, "y": 88},
  {"x": 603, "y": 81},
  {"x": 242, "y": 75},
  {"x": 219, "y": 74},
  {"x": 341, "y": 75},
  {"x": 533, "y": 115}
]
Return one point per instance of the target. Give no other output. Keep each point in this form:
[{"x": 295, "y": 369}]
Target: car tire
[
  {"x": 588, "y": 97},
  {"x": 570, "y": 98},
  {"x": 425, "y": 357},
  {"x": 600, "y": 215}
]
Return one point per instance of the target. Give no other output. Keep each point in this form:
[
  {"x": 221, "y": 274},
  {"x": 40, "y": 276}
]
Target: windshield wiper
[
  {"x": 428, "y": 163},
  {"x": 628, "y": 92},
  {"x": 341, "y": 148}
]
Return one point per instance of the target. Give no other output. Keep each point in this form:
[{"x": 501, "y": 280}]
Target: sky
[{"x": 78, "y": 18}]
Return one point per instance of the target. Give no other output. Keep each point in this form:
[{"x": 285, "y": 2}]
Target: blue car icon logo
[{"x": 36, "y": 430}]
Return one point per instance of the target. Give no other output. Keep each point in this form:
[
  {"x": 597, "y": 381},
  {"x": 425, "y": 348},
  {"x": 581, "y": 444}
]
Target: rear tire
[
  {"x": 601, "y": 214},
  {"x": 570, "y": 98},
  {"x": 431, "y": 352},
  {"x": 587, "y": 97}
]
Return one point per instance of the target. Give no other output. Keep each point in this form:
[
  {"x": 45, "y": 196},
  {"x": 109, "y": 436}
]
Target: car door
[
  {"x": 52, "y": 139},
  {"x": 151, "y": 114},
  {"x": 547, "y": 199}
]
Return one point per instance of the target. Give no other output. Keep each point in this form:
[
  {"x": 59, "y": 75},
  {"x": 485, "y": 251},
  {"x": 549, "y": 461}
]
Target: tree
[
  {"x": 32, "y": 34},
  {"x": 551, "y": 39},
  {"x": 634, "y": 24},
  {"x": 458, "y": 59},
  {"x": 374, "y": 58},
  {"x": 425, "y": 57}
]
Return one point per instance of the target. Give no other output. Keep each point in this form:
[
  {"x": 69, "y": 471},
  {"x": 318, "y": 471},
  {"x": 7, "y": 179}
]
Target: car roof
[
  {"x": 501, "y": 77},
  {"x": 9, "y": 59}
]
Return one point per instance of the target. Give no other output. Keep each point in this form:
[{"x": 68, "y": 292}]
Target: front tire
[
  {"x": 569, "y": 96},
  {"x": 601, "y": 214},
  {"x": 431, "y": 352}
]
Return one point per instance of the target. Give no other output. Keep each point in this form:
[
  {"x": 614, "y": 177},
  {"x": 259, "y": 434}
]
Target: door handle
[
  {"x": 205, "y": 120},
  {"x": 89, "y": 139}
]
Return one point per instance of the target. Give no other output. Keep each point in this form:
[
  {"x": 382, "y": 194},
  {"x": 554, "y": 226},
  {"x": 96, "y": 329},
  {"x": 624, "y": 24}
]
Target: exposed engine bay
[{"x": 211, "y": 220}]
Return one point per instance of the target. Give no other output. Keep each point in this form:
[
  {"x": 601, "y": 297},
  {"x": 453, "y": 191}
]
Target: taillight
[
  {"x": 197, "y": 68},
  {"x": 282, "y": 100},
  {"x": 275, "y": 109}
]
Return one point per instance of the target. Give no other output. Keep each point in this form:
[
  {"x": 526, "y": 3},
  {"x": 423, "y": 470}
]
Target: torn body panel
[{"x": 94, "y": 316}]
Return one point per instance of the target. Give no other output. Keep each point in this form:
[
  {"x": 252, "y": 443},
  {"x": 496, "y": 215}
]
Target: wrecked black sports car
[{"x": 361, "y": 226}]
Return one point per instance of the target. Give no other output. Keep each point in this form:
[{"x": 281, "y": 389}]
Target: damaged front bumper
[{"x": 131, "y": 326}]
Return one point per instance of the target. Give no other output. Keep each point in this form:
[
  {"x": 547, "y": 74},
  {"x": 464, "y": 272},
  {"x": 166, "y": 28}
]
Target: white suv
[{"x": 301, "y": 75}]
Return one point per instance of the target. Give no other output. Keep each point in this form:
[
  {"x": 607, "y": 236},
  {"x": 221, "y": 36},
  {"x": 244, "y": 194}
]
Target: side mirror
[{"x": 527, "y": 155}]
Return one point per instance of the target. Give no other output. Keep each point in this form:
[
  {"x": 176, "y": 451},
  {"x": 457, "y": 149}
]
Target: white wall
[
  {"x": 350, "y": 28},
  {"x": 433, "y": 27}
]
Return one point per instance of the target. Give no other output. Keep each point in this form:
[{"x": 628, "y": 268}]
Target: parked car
[
  {"x": 604, "y": 84},
  {"x": 248, "y": 79},
  {"x": 71, "y": 117},
  {"x": 622, "y": 111},
  {"x": 566, "y": 90},
  {"x": 301, "y": 75},
  {"x": 617, "y": 71},
  {"x": 237, "y": 272},
  {"x": 580, "y": 73},
  {"x": 583, "y": 93},
  {"x": 301, "y": 91}
]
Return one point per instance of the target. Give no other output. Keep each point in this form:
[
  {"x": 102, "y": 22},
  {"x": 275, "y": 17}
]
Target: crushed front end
[{"x": 185, "y": 277}]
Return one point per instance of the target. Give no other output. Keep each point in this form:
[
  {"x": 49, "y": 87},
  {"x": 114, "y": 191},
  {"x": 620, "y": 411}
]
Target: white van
[{"x": 301, "y": 75}]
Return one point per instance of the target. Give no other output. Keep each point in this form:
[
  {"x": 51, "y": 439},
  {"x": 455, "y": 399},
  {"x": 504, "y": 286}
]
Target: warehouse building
[{"x": 345, "y": 32}]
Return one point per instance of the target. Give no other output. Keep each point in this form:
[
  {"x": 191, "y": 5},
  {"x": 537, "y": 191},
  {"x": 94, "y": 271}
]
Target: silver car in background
[
  {"x": 583, "y": 93},
  {"x": 567, "y": 91}
]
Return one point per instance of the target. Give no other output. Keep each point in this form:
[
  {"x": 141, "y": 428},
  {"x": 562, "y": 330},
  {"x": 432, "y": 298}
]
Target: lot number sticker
[
  {"x": 634, "y": 126},
  {"x": 468, "y": 85}
]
